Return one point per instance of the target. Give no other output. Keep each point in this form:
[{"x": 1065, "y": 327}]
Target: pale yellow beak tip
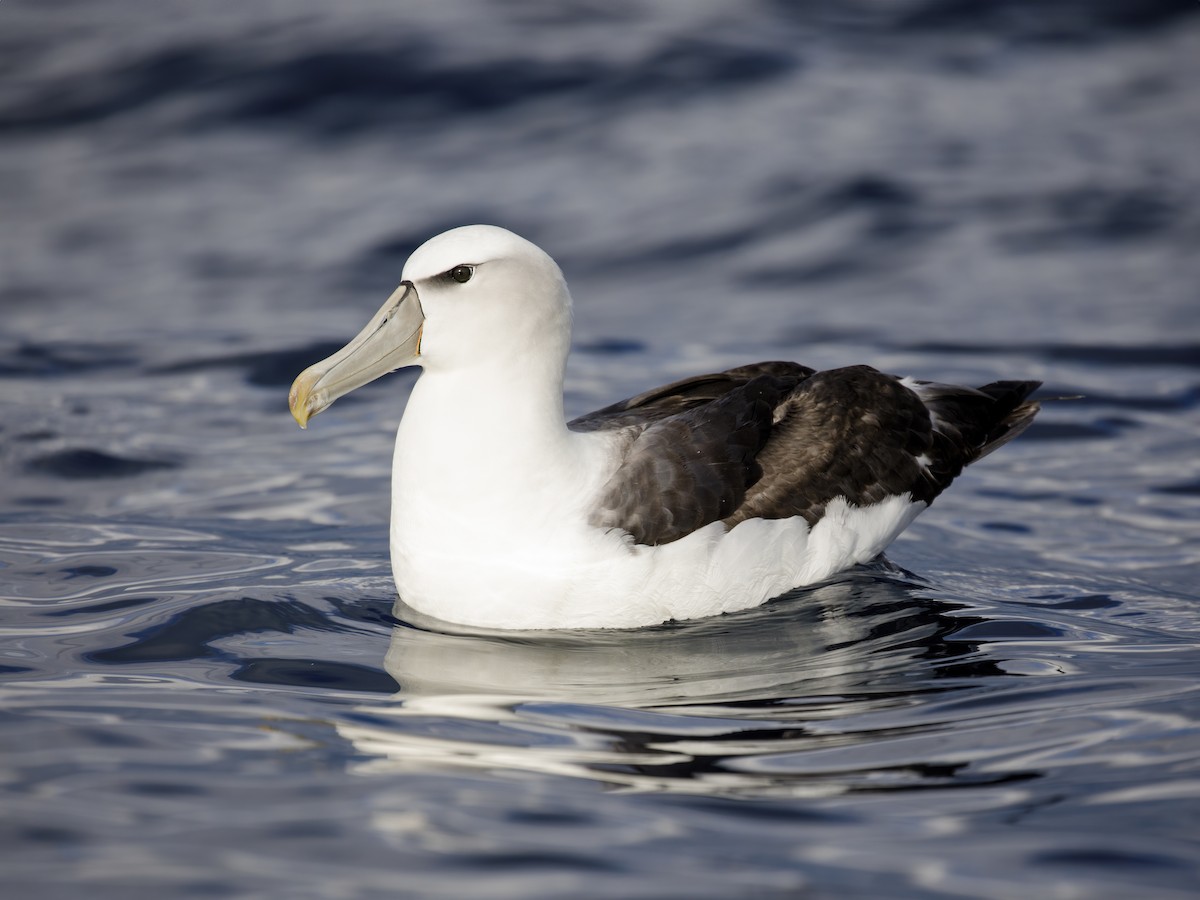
[{"x": 298, "y": 400}]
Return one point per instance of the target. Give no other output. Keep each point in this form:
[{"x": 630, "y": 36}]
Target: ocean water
[{"x": 205, "y": 687}]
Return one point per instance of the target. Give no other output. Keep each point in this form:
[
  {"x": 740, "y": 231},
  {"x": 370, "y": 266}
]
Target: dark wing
[
  {"x": 691, "y": 449},
  {"x": 865, "y": 436},
  {"x": 853, "y": 433},
  {"x": 680, "y": 396},
  {"x": 775, "y": 440}
]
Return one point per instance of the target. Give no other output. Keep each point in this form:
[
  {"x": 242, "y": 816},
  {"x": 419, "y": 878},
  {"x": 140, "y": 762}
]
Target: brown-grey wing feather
[
  {"x": 865, "y": 436},
  {"x": 687, "y": 470},
  {"x": 854, "y": 433},
  {"x": 776, "y": 440}
]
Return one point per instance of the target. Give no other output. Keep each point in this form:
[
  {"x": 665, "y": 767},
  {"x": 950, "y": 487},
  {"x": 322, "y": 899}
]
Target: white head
[
  {"x": 472, "y": 297},
  {"x": 487, "y": 294}
]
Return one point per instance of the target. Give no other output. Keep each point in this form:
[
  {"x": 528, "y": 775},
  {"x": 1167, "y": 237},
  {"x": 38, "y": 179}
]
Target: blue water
[{"x": 205, "y": 688}]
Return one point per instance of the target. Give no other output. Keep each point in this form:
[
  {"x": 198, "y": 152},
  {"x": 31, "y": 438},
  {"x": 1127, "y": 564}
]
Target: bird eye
[{"x": 462, "y": 274}]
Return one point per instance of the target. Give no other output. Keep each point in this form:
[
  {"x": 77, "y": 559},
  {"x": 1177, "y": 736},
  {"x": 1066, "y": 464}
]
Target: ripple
[{"x": 58, "y": 575}]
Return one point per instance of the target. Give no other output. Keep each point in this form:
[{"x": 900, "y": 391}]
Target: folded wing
[{"x": 777, "y": 440}]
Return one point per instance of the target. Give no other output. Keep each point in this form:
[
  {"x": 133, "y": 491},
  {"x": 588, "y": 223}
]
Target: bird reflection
[{"x": 698, "y": 707}]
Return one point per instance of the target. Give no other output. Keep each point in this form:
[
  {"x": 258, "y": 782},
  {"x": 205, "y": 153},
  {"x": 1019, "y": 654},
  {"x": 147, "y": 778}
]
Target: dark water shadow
[
  {"x": 198, "y": 633},
  {"x": 331, "y": 90}
]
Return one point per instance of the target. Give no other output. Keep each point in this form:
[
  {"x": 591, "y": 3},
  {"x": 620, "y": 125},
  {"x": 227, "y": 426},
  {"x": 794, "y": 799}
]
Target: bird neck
[{"x": 486, "y": 428}]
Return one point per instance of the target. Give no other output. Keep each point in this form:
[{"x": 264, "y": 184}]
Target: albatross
[{"x": 709, "y": 495}]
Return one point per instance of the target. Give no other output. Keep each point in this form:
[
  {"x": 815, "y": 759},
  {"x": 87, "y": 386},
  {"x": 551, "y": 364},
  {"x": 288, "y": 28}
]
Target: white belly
[{"x": 526, "y": 573}]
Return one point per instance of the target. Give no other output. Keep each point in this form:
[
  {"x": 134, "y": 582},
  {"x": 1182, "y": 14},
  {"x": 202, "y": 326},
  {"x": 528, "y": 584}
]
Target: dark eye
[{"x": 462, "y": 274}]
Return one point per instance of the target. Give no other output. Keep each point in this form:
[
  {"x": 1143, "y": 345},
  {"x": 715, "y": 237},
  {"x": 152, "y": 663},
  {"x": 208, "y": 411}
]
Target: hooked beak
[{"x": 391, "y": 340}]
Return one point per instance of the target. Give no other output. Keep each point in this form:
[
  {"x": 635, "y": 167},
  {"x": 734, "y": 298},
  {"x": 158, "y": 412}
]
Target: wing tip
[{"x": 1016, "y": 411}]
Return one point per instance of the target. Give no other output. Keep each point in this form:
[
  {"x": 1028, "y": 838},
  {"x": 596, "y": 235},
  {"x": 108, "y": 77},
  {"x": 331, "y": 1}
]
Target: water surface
[{"x": 205, "y": 688}]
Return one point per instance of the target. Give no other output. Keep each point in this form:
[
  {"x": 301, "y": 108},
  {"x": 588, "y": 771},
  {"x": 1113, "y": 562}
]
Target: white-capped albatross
[{"x": 709, "y": 495}]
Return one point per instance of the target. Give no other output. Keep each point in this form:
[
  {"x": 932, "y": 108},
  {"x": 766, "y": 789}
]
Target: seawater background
[{"x": 204, "y": 692}]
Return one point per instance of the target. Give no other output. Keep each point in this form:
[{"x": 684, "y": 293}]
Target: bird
[{"x": 705, "y": 496}]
